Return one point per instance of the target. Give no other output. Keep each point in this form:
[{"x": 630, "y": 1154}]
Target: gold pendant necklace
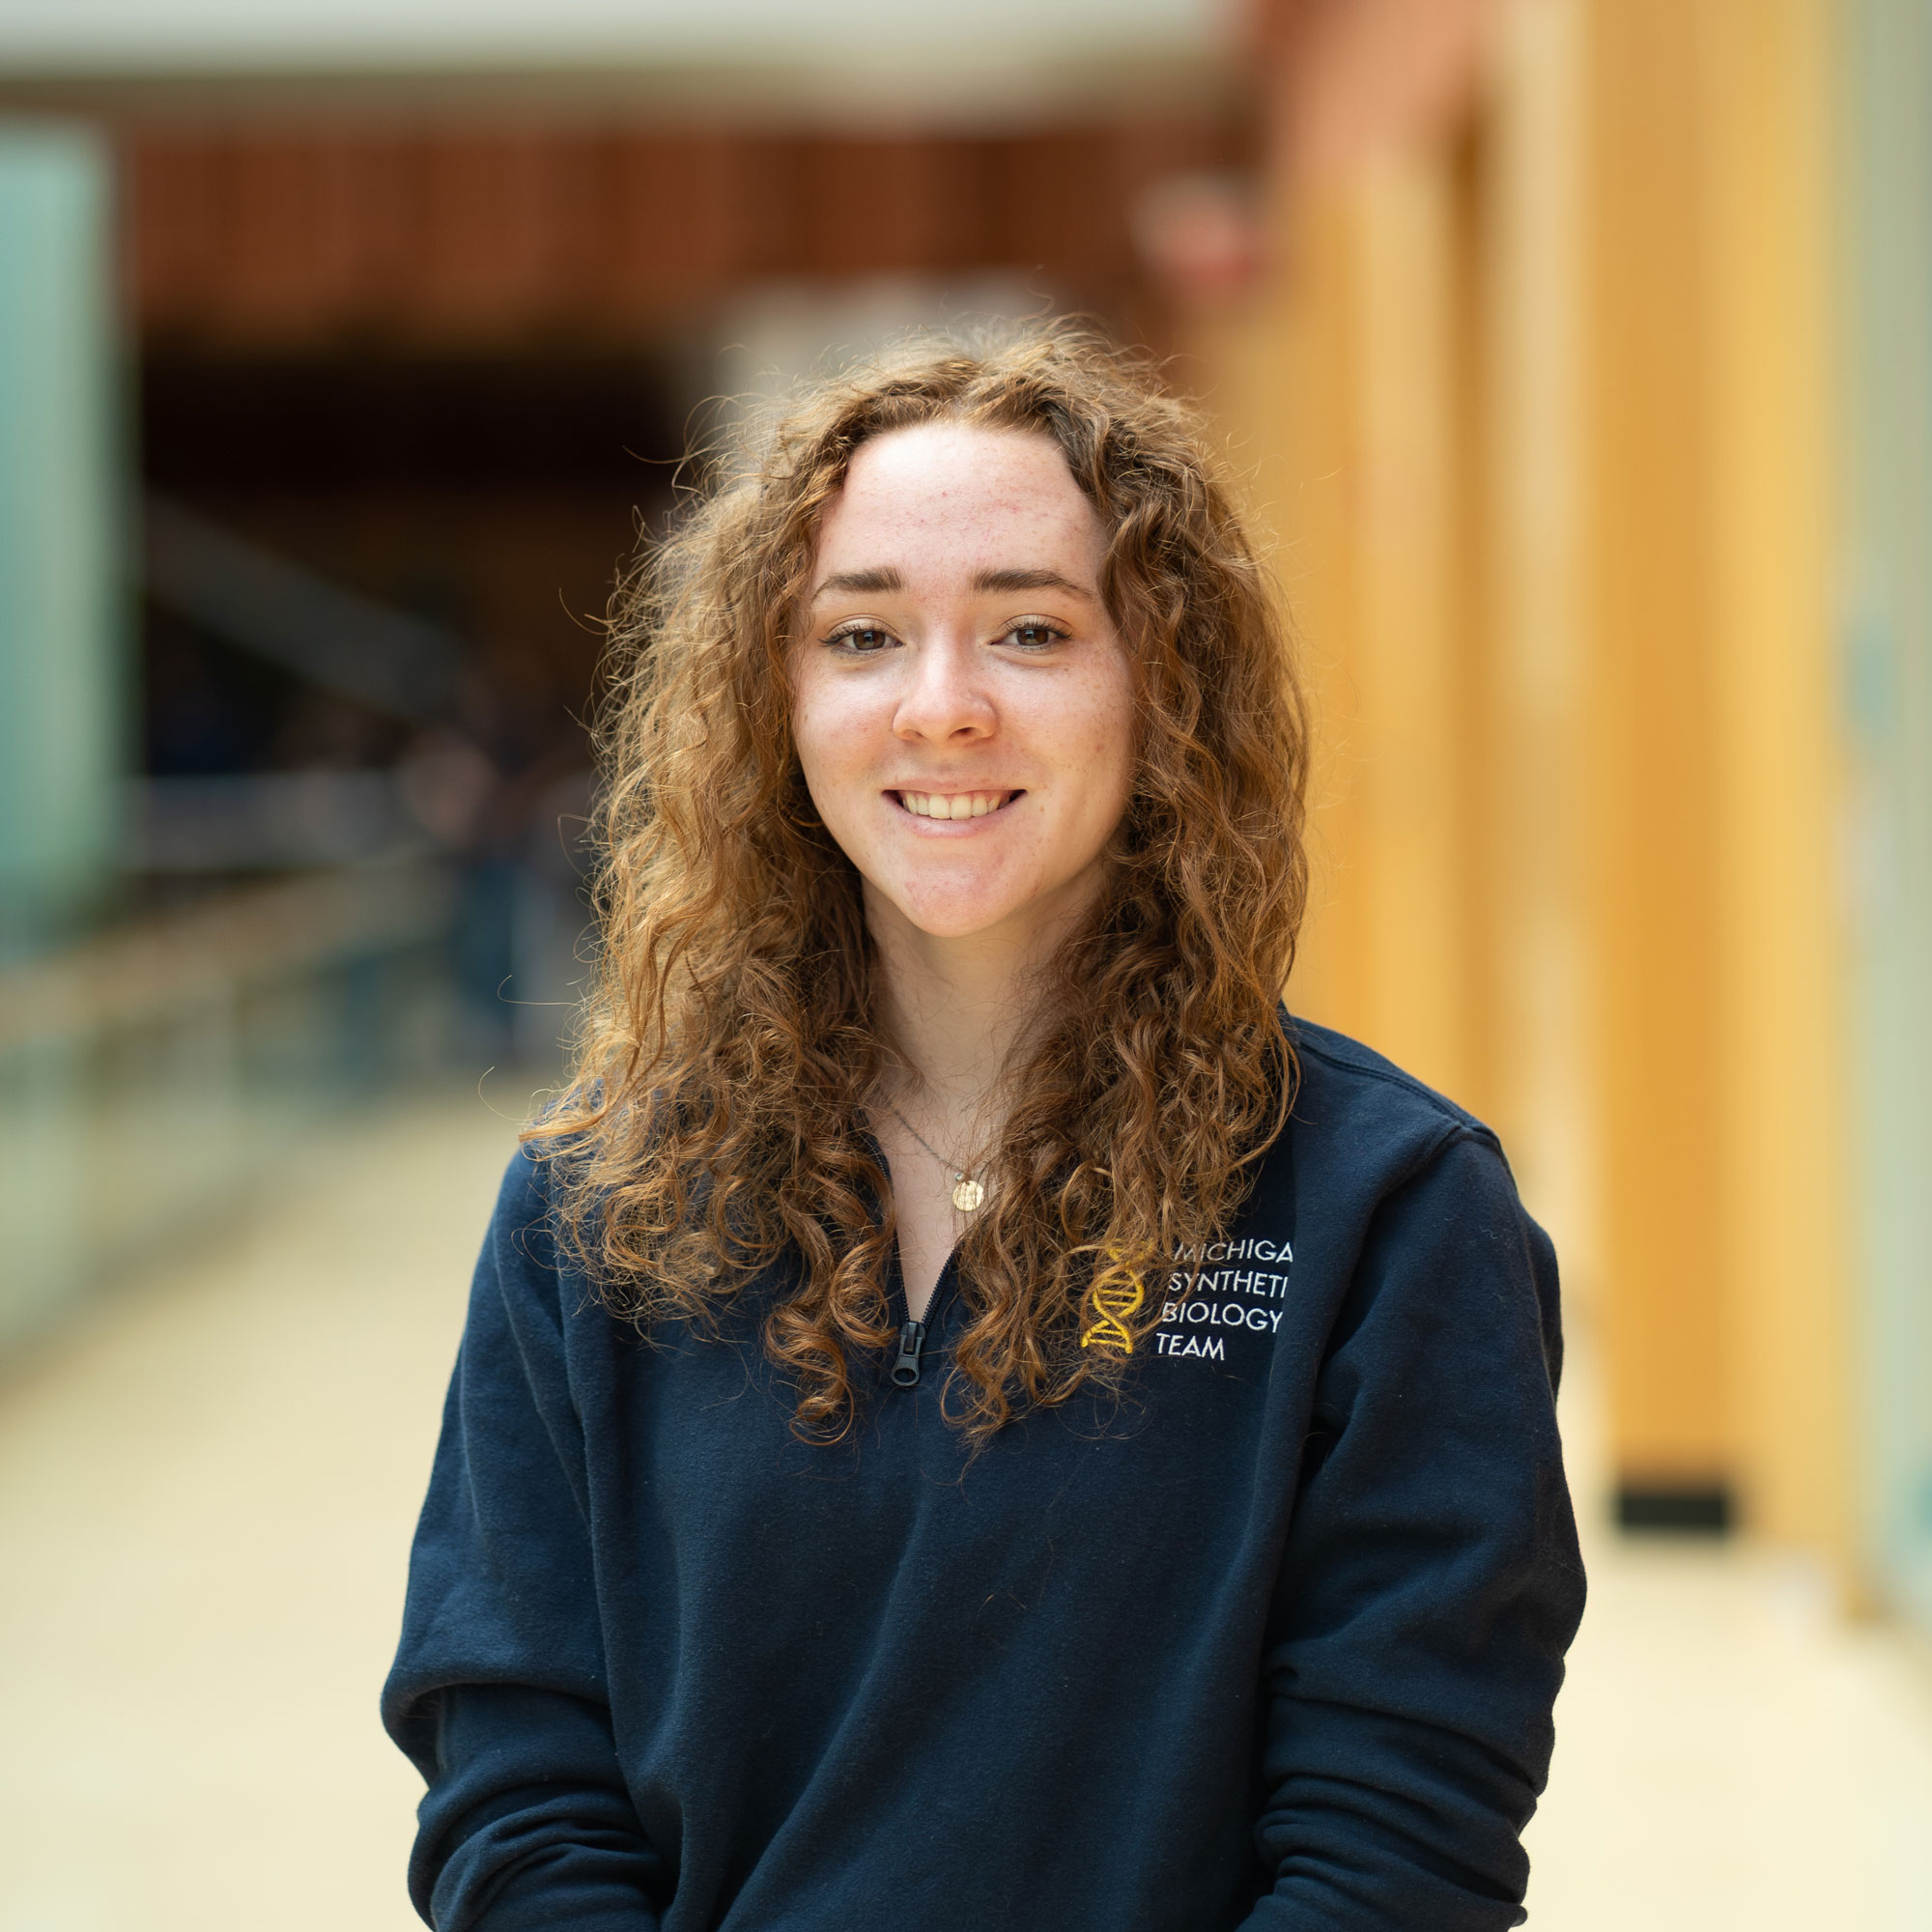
[{"x": 967, "y": 1193}]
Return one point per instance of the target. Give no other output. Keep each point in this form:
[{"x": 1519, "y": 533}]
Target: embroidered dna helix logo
[{"x": 1115, "y": 1295}]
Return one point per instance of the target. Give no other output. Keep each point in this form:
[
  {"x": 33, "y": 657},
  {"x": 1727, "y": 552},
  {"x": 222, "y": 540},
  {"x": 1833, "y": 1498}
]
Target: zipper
[
  {"x": 912, "y": 1337},
  {"x": 906, "y": 1363},
  {"x": 912, "y": 1334}
]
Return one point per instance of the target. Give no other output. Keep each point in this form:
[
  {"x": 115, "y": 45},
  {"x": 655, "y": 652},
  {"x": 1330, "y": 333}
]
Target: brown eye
[
  {"x": 1035, "y": 637},
  {"x": 863, "y": 639}
]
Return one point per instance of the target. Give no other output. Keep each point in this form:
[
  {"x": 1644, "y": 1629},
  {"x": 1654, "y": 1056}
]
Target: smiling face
[{"x": 962, "y": 706}]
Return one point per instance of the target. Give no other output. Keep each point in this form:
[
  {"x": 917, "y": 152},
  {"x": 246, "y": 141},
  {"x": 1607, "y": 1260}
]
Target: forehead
[{"x": 950, "y": 495}]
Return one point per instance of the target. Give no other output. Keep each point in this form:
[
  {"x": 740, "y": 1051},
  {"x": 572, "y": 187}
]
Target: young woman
[{"x": 969, "y": 1416}]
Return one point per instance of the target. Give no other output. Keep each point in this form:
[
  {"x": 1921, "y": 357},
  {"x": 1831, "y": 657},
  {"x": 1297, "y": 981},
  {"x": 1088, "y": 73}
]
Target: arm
[
  {"x": 1431, "y": 1581},
  {"x": 499, "y": 1689}
]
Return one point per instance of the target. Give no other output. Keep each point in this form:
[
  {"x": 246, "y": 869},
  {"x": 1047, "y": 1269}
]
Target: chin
[
  {"x": 958, "y": 908},
  {"x": 953, "y": 921}
]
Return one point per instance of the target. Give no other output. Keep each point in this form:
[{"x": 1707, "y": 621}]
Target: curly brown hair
[{"x": 716, "y": 1118}]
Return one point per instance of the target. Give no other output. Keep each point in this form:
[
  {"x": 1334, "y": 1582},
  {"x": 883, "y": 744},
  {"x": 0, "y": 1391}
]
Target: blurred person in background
[{"x": 969, "y": 1415}]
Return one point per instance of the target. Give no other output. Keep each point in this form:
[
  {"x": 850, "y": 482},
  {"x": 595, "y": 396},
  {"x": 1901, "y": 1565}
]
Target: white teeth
[{"x": 953, "y": 804}]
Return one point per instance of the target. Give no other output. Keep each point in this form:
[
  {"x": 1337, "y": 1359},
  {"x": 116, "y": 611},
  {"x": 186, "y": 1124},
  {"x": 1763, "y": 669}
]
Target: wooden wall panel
[
  {"x": 1534, "y": 1084},
  {"x": 1553, "y": 477},
  {"x": 1715, "y": 783},
  {"x": 1374, "y": 564},
  {"x": 1415, "y": 869},
  {"x": 1765, "y": 67},
  {"x": 1651, "y": 779},
  {"x": 497, "y": 232}
]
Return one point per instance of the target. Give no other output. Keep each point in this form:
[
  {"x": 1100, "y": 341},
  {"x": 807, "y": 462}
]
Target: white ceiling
[{"x": 160, "y": 37}]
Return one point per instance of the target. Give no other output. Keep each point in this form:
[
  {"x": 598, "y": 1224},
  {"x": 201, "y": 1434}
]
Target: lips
[{"x": 955, "y": 804}]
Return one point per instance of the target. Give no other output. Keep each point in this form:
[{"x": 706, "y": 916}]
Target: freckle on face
[{"x": 950, "y": 703}]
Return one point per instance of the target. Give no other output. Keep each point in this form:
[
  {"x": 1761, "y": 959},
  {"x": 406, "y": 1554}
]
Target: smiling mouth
[{"x": 954, "y": 804}]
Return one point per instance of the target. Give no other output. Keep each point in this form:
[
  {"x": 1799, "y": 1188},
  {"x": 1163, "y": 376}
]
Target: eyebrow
[
  {"x": 862, "y": 583},
  {"x": 1026, "y": 580},
  {"x": 887, "y": 581}
]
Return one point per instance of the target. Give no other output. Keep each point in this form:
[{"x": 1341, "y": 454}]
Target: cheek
[
  {"x": 1108, "y": 749},
  {"x": 822, "y": 728}
]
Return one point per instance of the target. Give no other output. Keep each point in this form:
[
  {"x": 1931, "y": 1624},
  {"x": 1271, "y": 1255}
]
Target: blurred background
[{"x": 1577, "y": 358}]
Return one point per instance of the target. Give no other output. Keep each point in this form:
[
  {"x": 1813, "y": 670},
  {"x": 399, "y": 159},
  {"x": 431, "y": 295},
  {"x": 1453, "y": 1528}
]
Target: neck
[{"x": 956, "y": 1008}]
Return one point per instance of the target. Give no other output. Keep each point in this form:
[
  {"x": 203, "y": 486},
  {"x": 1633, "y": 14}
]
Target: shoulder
[
  {"x": 1382, "y": 1162},
  {"x": 522, "y": 1264},
  {"x": 522, "y": 1215},
  {"x": 1355, "y": 1107},
  {"x": 1369, "y": 1148},
  {"x": 1362, "y": 1137}
]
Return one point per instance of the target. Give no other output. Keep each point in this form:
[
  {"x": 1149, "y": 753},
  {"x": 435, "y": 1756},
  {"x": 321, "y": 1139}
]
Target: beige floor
[
  {"x": 1732, "y": 1755},
  {"x": 206, "y": 1499}
]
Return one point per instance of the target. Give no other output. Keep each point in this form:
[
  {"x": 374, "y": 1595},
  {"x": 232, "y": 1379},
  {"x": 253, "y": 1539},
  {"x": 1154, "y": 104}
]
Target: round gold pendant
[{"x": 967, "y": 1196}]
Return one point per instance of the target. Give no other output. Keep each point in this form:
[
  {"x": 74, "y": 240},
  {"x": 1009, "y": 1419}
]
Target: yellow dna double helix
[{"x": 1117, "y": 1295}]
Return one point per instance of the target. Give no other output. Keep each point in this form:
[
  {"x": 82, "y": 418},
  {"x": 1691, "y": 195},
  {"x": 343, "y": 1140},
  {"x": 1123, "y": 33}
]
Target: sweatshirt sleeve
[
  {"x": 499, "y": 1689},
  {"x": 1432, "y": 1579}
]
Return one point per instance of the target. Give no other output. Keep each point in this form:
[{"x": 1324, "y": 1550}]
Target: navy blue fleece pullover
[{"x": 1271, "y": 1642}]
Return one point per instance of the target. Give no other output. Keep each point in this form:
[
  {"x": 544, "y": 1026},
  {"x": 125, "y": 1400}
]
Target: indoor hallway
[{"x": 206, "y": 1499}]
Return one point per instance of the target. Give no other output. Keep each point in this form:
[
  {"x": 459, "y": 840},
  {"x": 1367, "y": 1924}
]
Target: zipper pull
[{"x": 912, "y": 1337}]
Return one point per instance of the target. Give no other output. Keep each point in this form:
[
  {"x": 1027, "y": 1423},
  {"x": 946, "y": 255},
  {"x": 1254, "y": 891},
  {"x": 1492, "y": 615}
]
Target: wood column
[
  {"x": 1651, "y": 786},
  {"x": 1375, "y": 567},
  {"x": 1715, "y": 788}
]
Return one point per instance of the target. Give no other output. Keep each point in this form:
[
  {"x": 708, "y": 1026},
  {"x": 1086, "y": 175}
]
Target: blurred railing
[{"x": 150, "y": 1076}]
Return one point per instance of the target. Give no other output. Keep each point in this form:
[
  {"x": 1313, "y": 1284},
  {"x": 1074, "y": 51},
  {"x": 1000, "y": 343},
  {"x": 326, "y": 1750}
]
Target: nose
[{"x": 947, "y": 701}]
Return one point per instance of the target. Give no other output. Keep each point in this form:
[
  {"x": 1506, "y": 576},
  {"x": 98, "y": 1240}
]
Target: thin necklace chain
[
  {"x": 967, "y": 1193},
  {"x": 951, "y": 1167}
]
